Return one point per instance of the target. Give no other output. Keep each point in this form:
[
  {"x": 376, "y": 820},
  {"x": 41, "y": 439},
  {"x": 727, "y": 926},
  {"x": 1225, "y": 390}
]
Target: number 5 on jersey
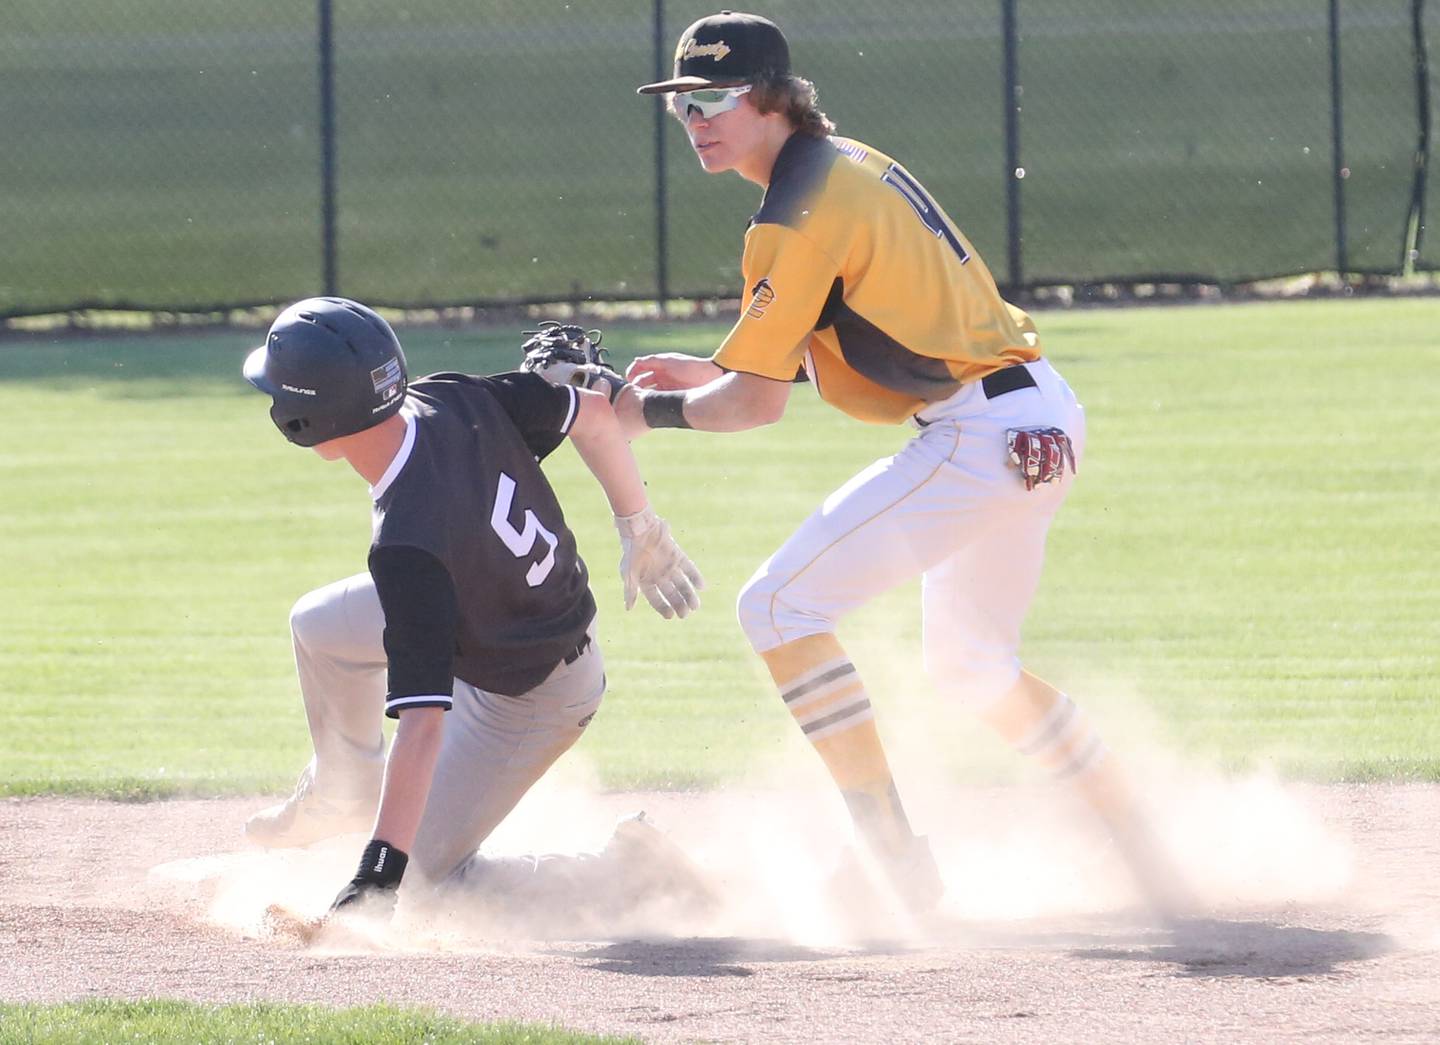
[{"x": 522, "y": 542}]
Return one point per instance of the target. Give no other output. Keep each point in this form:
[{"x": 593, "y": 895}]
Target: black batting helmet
[{"x": 332, "y": 367}]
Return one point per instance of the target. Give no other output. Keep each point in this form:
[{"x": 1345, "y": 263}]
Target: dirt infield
[{"x": 1323, "y": 924}]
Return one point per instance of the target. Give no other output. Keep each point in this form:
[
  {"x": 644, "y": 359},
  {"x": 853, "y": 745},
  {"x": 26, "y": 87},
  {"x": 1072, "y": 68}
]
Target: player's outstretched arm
[
  {"x": 597, "y": 436},
  {"x": 733, "y": 402},
  {"x": 667, "y": 371},
  {"x": 408, "y": 773},
  {"x": 651, "y": 563}
]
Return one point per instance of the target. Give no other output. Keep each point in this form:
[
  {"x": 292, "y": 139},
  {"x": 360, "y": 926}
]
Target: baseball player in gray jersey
[{"x": 474, "y": 624}]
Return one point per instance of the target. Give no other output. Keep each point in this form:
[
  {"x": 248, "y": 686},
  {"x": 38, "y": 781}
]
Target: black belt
[
  {"x": 1011, "y": 379},
  {"x": 574, "y": 654}
]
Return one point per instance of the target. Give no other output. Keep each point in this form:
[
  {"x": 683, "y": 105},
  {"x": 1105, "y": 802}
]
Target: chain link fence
[{"x": 166, "y": 155}]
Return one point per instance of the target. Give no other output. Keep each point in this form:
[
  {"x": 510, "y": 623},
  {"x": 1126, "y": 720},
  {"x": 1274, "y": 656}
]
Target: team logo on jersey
[
  {"x": 690, "y": 49},
  {"x": 386, "y": 377},
  {"x": 760, "y": 298}
]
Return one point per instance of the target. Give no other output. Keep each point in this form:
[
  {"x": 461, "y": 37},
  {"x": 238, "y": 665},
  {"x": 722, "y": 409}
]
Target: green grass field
[
  {"x": 183, "y": 1023},
  {"x": 1249, "y": 567}
]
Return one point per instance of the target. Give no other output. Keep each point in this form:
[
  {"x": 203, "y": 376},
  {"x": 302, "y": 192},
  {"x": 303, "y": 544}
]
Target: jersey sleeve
[
  {"x": 421, "y": 622},
  {"x": 788, "y": 280},
  {"x": 541, "y": 411}
]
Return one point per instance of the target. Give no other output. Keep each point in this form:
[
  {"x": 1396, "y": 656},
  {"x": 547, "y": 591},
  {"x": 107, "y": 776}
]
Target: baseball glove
[
  {"x": 1040, "y": 453},
  {"x": 565, "y": 354}
]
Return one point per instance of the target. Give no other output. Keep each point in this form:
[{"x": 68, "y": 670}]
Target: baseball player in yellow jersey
[{"x": 856, "y": 279}]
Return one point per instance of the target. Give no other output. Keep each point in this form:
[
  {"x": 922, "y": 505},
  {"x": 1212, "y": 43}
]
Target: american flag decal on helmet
[{"x": 386, "y": 377}]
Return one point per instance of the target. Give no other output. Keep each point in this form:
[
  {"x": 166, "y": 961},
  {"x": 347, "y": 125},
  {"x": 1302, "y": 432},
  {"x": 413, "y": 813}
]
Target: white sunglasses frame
[{"x": 685, "y": 101}]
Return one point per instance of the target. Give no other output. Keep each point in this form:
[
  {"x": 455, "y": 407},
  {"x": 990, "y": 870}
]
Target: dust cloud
[{"x": 1022, "y": 852}]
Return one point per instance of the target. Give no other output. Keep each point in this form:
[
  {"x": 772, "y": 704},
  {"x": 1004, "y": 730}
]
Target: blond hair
[{"x": 797, "y": 100}]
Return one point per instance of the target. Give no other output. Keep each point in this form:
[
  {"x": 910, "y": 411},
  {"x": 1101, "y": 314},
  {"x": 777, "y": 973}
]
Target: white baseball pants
[
  {"x": 495, "y": 747},
  {"x": 950, "y": 507}
]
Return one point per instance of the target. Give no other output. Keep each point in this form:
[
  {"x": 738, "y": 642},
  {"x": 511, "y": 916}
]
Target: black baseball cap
[{"x": 726, "y": 50}]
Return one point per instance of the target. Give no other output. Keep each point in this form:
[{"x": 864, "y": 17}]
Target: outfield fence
[{"x": 172, "y": 156}]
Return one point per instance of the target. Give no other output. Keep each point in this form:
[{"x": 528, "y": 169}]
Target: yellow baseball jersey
[{"x": 855, "y": 275}]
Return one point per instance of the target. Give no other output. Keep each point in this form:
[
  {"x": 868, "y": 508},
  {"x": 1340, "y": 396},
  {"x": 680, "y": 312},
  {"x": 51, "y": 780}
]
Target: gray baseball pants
[{"x": 495, "y": 747}]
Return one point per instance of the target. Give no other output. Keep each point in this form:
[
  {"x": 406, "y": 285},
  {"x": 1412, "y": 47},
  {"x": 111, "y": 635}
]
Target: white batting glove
[{"x": 651, "y": 562}]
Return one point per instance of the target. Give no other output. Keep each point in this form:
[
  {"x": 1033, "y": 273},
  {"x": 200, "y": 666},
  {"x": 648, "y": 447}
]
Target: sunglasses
[{"x": 710, "y": 103}]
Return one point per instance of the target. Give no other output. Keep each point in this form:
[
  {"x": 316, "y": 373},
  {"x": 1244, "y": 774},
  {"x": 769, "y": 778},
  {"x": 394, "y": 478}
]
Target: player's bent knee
[
  {"x": 753, "y": 612},
  {"x": 316, "y": 615},
  {"x": 770, "y": 619}
]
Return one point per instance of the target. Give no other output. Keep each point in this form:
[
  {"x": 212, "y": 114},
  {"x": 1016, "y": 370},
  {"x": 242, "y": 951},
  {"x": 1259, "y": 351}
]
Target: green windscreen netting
[{"x": 163, "y": 154}]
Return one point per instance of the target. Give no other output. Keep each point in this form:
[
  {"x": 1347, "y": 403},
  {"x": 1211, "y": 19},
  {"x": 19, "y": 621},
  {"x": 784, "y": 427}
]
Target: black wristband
[
  {"x": 609, "y": 382},
  {"x": 382, "y": 864},
  {"x": 664, "y": 409}
]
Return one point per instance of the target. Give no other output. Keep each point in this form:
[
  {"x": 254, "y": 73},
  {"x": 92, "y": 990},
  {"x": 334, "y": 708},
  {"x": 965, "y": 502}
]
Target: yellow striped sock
[{"x": 825, "y": 694}]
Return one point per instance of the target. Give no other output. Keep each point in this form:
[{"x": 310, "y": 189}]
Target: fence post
[
  {"x": 327, "y": 148},
  {"x": 1011, "y": 96},
  {"x": 662, "y": 257},
  {"x": 1337, "y": 141},
  {"x": 1415, "y": 234}
]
